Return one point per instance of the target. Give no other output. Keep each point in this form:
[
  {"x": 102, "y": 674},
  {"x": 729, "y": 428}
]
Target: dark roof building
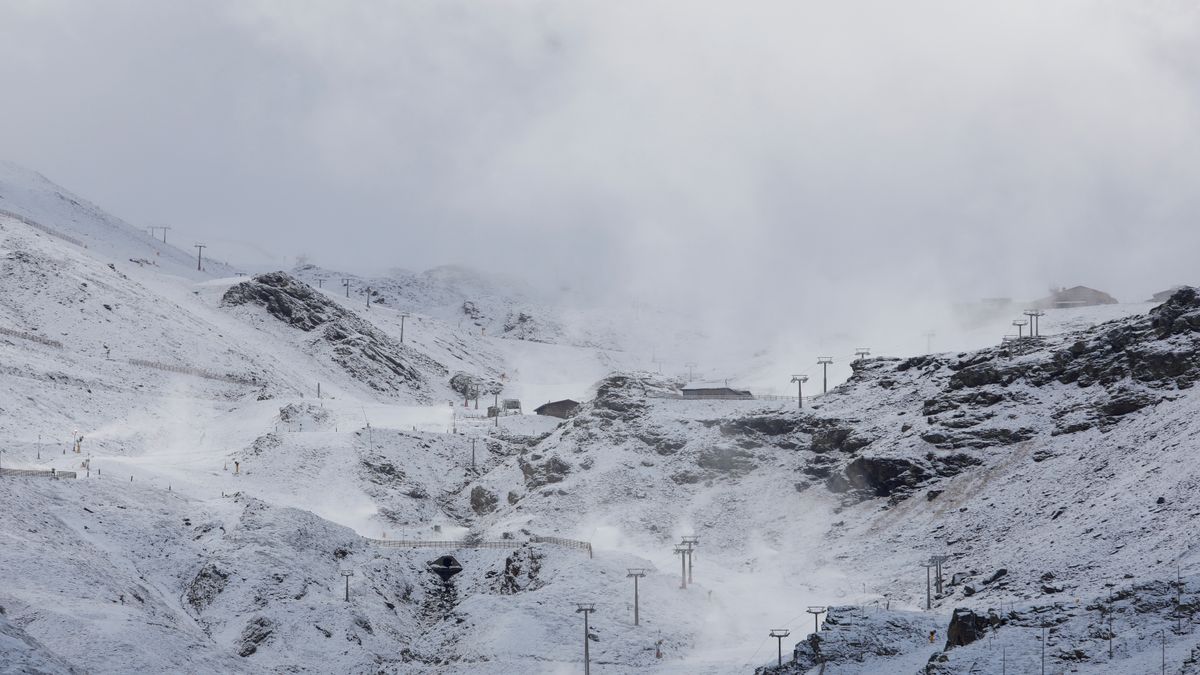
[
  {"x": 1078, "y": 296},
  {"x": 561, "y": 409},
  {"x": 704, "y": 391}
]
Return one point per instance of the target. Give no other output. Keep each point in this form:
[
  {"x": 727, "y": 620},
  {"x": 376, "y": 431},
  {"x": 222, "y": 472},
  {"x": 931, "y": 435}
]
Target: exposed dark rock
[
  {"x": 995, "y": 576},
  {"x": 966, "y": 627},
  {"x": 553, "y": 470},
  {"x": 773, "y": 424},
  {"x": 729, "y": 461},
  {"x": 878, "y": 476},
  {"x": 521, "y": 570},
  {"x": 207, "y": 585},
  {"x": 482, "y": 501},
  {"x": 257, "y": 631},
  {"x": 358, "y": 347}
]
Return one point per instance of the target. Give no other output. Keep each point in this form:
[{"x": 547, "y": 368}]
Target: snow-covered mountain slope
[
  {"x": 30, "y": 195},
  {"x": 221, "y": 497}
]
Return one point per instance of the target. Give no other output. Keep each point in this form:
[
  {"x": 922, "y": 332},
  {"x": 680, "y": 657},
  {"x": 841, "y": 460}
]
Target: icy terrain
[{"x": 217, "y": 498}]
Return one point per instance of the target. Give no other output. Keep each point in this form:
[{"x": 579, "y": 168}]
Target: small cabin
[
  {"x": 716, "y": 392},
  {"x": 560, "y": 409}
]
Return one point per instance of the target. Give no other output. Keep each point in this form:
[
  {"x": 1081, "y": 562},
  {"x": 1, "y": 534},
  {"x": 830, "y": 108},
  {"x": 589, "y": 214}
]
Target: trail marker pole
[
  {"x": 779, "y": 634},
  {"x": 473, "y": 454},
  {"x": 346, "y": 283},
  {"x": 824, "y": 362},
  {"x": 586, "y": 608},
  {"x": 929, "y": 335},
  {"x": 368, "y": 294},
  {"x": 636, "y": 573},
  {"x": 403, "y": 316}
]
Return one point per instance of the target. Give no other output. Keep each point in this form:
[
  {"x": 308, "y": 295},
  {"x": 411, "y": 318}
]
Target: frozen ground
[{"x": 219, "y": 498}]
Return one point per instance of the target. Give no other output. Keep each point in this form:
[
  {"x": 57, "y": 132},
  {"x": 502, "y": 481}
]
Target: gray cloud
[{"x": 800, "y": 155}]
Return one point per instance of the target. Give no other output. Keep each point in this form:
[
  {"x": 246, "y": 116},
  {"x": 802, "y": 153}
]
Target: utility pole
[
  {"x": 636, "y": 573},
  {"x": 1164, "y": 651},
  {"x": 346, "y": 283},
  {"x": 403, "y": 316},
  {"x": 347, "y": 574},
  {"x": 816, "y": 612},
  {"x": 1110, "y": 637},
  {"x": 824, "y": 362},
  {"x": 682, "y": 553},
  {"x": 691, "y": 542},
  {"x": 799, "y": 381},
  {"x": 473, "y": 439},
  {"x": 586, "y": 608},
  {"x": 928, "y": 565},
  {"x": 199, "y": 250},
  {"x": 779, "y": 634},
  {"x": 368, "y": 298},
  {"x": 320, "y": 283},
  {"x": 1035, "y": 330},
  {"x": 690, "y": 366},
  {"x": 1020, "y": 324},
  {"x": 929, "y": 335},
  {"x": 862, "y": 353}
]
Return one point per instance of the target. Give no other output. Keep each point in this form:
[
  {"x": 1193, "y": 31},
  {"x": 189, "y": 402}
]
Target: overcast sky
[{"x": 847, "y": 148}]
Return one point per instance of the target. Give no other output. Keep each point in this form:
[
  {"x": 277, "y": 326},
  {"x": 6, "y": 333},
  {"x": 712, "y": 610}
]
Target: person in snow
[{"x": 932, "y": 636}]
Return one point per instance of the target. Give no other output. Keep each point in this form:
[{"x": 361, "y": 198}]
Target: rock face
[
  {"x": 850, "y": 637},
  {"x": 966, "y": 627},
  {"x": 482, "y": 501},
  {"x": 363, "y": 351},
  {"x": 978, "y": 403},
  {"x": 207, "y": 585}
]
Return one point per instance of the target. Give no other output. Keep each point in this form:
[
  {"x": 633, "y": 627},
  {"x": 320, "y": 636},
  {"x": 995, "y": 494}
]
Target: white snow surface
[{"x": 217, "y": 503}]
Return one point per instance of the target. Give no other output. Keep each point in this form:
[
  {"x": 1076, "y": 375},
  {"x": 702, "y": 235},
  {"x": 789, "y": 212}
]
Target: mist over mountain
[{"x": 537, "y": 337}]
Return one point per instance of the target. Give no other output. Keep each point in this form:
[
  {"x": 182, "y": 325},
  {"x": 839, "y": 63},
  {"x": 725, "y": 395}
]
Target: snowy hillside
[
  {"x": 57, "y": 212},
  {"x": 217, "y": 498}
]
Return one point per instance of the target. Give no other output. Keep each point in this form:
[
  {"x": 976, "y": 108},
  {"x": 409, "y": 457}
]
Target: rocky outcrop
[
  {"x": 538, "y": 472},
  {"x": 482, "y": 501},
  {"x": 879, "y": 477},
  {"x": 363, "y": 351}
]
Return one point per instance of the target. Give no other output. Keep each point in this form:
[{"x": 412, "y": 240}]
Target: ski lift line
[{"x": 787, "y": 624}]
